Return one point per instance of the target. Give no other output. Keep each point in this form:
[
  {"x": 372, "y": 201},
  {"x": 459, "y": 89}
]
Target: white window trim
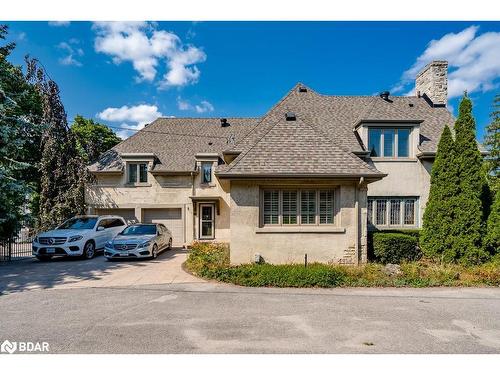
[
  {"x": 402, "y": 225},
  {"x": 299, "y": 223},
  {"x": 395, "y": 144}
]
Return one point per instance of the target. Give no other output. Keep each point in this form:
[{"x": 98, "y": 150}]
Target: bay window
[
  {"x": 389, "y": 142},
  {"x": 297, "y": 207}
]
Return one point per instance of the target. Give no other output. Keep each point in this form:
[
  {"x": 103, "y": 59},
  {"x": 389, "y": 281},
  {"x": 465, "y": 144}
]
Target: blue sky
[{"x": 126, "y": 74}]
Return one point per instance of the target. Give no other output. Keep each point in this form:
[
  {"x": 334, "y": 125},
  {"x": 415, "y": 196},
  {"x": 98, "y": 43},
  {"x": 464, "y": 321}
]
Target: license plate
[
  {"x": 50, "y": 250},
  {"x": 124, "y": 254}
]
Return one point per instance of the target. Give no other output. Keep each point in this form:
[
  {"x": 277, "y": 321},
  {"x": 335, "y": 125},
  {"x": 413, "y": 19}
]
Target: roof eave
[
  {"x": 376, "y": 121},
  {"x": 229, "y": 175}
]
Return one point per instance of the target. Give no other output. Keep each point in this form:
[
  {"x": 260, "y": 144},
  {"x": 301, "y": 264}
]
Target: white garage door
[
  {"x": 127, "y": 213},
  {"x": 171, "y": 218}
]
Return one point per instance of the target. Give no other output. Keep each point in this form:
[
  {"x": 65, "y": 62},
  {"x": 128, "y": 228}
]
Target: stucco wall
[
  {"x": 111, "y": 191},
  {"x": 404, "y": 179},
  {"x": 249, "y": 238}
]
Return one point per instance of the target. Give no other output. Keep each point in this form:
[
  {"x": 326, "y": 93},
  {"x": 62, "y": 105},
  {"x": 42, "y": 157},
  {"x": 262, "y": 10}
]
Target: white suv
[{"x": 79, "y": 236}]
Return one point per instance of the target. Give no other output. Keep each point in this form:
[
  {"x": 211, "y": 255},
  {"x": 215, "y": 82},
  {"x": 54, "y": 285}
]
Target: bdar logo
[{"x": 8, "y": 347}]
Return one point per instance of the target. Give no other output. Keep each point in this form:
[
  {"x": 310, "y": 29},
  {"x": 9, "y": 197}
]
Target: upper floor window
[
  {"x": 389, "y": 142},
  {"x": 297, "y": 207},
  {"x": 137, "y": 172},
  {"x": 206, "y": 173}
]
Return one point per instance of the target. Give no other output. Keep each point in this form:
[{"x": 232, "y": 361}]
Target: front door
[{"x": 207, "y": 221}]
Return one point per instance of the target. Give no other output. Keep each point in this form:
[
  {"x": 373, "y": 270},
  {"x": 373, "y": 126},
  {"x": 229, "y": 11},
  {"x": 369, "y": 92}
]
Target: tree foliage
[
  {"x": 62, "y": 167},
  {"x": 493, "y": 226},
  {"x": 492, "y": 143},
  {"x": 438, "y": 215},
  {"x": 20, "y": 134},
  {"x": 468, "y": 224},
  {"x": 93, "y": 138}
]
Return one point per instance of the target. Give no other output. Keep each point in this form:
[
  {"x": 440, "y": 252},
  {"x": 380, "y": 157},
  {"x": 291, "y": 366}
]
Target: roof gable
[{"x": 295, "y": 148}]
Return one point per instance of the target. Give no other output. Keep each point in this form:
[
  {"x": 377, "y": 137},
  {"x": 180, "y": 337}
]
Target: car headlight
[
  {"x": 145, "y": 244},
  {"x": 109, "y": 244},
  {"x": 75, "y": 238}
]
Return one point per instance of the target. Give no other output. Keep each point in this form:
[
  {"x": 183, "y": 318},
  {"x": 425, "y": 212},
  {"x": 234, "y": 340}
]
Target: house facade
[{"x": 309, "y": 178}]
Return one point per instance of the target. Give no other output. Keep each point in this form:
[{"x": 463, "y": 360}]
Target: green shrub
[
  {"x": 411, "y": 232},
  {"x": 205, "y": 256},
  {"x": 395, "y": 247},
  {"x": 211, "y": 261}
]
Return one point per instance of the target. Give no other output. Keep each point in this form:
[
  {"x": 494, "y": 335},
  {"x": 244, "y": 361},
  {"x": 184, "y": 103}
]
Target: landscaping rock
[{"x": 392, "y": 269}]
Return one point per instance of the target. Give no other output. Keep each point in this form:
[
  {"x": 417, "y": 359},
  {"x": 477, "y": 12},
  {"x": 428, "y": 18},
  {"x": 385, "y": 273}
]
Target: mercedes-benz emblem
[{"x": 51, "y": 241}]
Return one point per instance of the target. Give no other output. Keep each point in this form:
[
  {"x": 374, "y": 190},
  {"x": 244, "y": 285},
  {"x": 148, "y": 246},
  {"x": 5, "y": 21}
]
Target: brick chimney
[{"x": 432, "y": 83}]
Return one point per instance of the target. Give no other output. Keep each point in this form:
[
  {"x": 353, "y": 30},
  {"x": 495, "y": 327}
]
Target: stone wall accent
[{"x": 432, "y": 82}]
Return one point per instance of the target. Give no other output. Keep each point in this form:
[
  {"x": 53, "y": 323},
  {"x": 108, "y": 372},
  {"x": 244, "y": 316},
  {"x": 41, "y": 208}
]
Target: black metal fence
[{"x": 16, "y": 248}]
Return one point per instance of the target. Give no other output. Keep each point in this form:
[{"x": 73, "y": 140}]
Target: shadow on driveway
[{"x": 17, "y": 276}]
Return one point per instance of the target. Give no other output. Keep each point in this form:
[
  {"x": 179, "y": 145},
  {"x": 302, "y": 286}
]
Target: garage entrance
[
  {"x": 171, "y": 218},
  {"x": 127, "y": 213}
]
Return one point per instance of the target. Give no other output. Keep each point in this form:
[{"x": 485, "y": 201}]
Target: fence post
[{"x": 10, "y": 249}]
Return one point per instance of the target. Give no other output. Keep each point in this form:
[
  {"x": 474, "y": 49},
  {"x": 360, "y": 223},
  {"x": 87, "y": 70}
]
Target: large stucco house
[{"x": 312, "y": 176}]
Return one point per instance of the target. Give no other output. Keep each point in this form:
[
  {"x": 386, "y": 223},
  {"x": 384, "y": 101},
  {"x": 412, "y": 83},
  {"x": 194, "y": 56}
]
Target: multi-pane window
[
  {"x": 206, "y": 173},
  {"x": 298, "y": 207},
  {"x": 308, "y": 207},
  {"x": 289, "y": 205},
  {"x": 389, "y": 142},
  {"x": 326, "y": 207},
  {"x": 271, "y": 206},
  {"x": 392, "y": 212},
  {"x": 137, "y": 172}
]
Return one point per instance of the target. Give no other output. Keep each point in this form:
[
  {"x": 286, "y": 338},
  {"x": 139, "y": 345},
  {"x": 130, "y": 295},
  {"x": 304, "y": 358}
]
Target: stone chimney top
[{"x": 432, "y": 83}]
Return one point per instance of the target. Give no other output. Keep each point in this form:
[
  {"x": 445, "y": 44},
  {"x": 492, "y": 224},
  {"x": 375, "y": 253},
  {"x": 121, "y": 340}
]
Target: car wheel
[
  {"x": 169, "y": 247},
  {"x": 154, "y": 253},
  {"x": 88, "y": 250},
  {"x": 43, "y": 258}
]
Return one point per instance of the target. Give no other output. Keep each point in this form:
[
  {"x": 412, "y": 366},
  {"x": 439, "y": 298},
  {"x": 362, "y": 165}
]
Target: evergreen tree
[
  {"x": 20, "y": 133},
  {"x": 492, "y": 143},
  {"x": 438, "y": 216},
  {"x": 468, "y": 221},
  {"x": 93, "y": 138},
  {"x": 62, "y": 168},
  {"x": 493, "y": 226}
]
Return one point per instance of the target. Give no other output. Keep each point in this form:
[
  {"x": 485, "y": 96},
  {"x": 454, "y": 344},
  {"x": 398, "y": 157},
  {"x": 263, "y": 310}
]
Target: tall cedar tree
[
  {"x": 438, "y": 215},
  {"x": 62, "y": 168},
  {"x": 20, "y": 134},
  {"x": 468, "y": 221},
  {"x": 493, "y": 226},
  {"x": 93, "y": 138},
  {"x": 492, "y": 143}
]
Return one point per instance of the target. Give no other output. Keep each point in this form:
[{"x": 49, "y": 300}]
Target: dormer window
[
  {"x": 206, "y": 173},
  {"x": 137, "y": 173},
  {"x": 389, "y": 142}
]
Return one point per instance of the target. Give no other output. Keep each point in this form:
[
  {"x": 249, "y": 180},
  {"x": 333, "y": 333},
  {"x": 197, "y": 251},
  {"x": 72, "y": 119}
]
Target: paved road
[{"x": 204, "y": 317}]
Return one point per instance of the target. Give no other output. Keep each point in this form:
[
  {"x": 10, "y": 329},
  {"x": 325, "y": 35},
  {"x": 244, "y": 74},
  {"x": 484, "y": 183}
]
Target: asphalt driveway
[
  {"x": 59, "y": 273},
  {"x": 155, "y": 307}
]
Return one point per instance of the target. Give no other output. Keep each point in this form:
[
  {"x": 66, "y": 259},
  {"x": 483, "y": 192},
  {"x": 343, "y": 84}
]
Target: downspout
[
  {"x": 357, "y": 219},
  {"x": 193, "y": 193}
]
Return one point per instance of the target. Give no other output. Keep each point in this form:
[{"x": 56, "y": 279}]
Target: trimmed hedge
[
  {"x": 411, "y": 232},
  {"x": 395, "y": 247}
]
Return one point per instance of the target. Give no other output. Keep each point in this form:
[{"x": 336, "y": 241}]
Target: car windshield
[
  {"x": 79, "y": 223},
  {"x": 138, "y": 230}
]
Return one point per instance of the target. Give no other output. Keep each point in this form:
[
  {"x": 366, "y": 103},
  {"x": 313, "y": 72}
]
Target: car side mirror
[{"x": 100, "y": 228}]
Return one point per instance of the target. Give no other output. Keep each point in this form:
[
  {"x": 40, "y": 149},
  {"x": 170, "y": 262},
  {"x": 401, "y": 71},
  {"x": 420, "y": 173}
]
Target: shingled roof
[
  {"x": 175, "y": 142},
  {"x": 325, "y": 140},
  {"x": 295, "y": 148}
]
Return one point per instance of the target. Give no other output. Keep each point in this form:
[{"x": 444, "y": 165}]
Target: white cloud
[
  {"x": 146, "y": 47},
  {"x": 473, "y": 61},
  {"x": 202, "y": 107},
  {"x": 59, "y": 23},
  {"x": 72, "y": 51},
  {"x": 134, "y": 117}
]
